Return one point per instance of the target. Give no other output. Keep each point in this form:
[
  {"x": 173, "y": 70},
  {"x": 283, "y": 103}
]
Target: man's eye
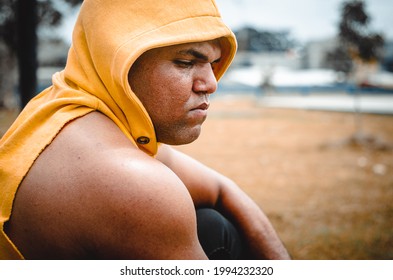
[{"x": 184, "y": 63}]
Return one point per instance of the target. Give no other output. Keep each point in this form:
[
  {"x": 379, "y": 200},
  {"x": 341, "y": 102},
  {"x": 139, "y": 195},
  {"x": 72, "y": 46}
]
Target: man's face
[{"x": 174, "y": 83}]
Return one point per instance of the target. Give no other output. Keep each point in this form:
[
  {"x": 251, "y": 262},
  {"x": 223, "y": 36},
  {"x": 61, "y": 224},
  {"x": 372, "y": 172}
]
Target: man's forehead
[{"x": 206, "y": 48}]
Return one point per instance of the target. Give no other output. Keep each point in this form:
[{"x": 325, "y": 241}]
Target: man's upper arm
[
  {"x": 146, "y": 213},
  {"x": 204, "y": 184}
]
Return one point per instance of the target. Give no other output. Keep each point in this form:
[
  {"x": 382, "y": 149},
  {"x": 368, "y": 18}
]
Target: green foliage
[
  {"x": 47, "y": 13},
  {"x": 18, "y": 23},
  {"x": 339, "y": 60},
  {"x": 355, "y": 34},
  {"x": 356, "y": 41},
  {"x": 8, "y": 23}
]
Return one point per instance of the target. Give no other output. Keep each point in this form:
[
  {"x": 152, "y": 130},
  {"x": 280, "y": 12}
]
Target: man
[{"x": 87, "y": 167}]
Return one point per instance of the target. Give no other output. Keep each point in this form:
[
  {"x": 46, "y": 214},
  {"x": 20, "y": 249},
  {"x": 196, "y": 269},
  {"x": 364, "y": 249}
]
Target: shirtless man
[{"x": 96, "y": 192}]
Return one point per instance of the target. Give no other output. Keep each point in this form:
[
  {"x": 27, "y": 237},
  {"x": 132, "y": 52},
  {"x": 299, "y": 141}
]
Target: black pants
[{"x": 219, "y": 238}]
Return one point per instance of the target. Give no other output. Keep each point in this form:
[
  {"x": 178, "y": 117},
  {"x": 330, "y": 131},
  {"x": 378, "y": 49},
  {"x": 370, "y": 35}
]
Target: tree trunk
[{"x": 27, "y": 49}]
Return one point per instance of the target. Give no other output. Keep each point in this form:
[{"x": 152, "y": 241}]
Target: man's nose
[{"x": 206, "y": 81}]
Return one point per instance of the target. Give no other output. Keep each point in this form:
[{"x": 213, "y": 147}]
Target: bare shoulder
[{"x": 92, "y": 194}]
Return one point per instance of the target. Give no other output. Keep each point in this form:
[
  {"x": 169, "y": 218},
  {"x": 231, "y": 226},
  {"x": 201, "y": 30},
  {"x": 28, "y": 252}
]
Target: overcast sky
[{"x": 305, "y": 19}]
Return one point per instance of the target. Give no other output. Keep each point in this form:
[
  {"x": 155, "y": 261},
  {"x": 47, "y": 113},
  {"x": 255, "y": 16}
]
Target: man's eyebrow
[{"x": 196, "y": 54}]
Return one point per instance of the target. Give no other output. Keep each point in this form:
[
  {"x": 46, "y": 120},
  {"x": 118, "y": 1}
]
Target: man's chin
[{"x": 183, "y": 138}]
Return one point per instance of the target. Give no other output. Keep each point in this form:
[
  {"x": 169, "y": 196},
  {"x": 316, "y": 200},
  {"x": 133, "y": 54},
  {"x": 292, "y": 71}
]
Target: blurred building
[
  {"x": 314, "y": 52},
  {"x": 8, "y": 77},
  {"x": 52, "y": 57},
  {"x": 52, "y": 52},
  {"x": 387, "y": 60},
  {"x": 274, "y": 60},
  {"x": 265, "y": 49}
]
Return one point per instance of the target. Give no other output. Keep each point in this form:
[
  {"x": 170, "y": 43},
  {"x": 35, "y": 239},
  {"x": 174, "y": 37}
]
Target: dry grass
[{"x": 327, "y": 198}]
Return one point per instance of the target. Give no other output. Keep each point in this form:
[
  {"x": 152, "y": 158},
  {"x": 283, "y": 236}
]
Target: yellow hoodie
[{"x": 109, "y": 36}]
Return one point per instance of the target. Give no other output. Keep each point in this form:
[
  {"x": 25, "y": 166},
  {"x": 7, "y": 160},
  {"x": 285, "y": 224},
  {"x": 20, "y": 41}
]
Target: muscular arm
[
  {"x": 211, "y": 189},
  {"x": 150, "y": 213},
  {"x": 92, "y": 194}
]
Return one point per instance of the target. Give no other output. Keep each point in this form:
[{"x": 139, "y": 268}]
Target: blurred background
[
  {"x": 312, "y": 47},
  {"x": 307, "y": 105},
  {"x": 284, "y": 46}
]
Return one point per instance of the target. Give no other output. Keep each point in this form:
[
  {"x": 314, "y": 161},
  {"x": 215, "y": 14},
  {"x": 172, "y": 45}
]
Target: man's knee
[{"x": 218, "y": 236}]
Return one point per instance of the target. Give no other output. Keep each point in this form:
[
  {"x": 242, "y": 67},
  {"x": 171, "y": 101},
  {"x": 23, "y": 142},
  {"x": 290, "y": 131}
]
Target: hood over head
[{"x": 110, "y": 35}]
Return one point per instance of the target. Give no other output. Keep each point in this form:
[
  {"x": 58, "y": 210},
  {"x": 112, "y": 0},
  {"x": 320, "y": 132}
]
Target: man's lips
[
  {"x": 203, "y": 106},
  {"x": 200, "y": 112}
]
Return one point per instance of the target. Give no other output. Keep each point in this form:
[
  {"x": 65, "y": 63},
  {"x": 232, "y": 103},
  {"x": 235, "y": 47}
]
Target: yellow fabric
[{"x": 108, "y": 37}]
